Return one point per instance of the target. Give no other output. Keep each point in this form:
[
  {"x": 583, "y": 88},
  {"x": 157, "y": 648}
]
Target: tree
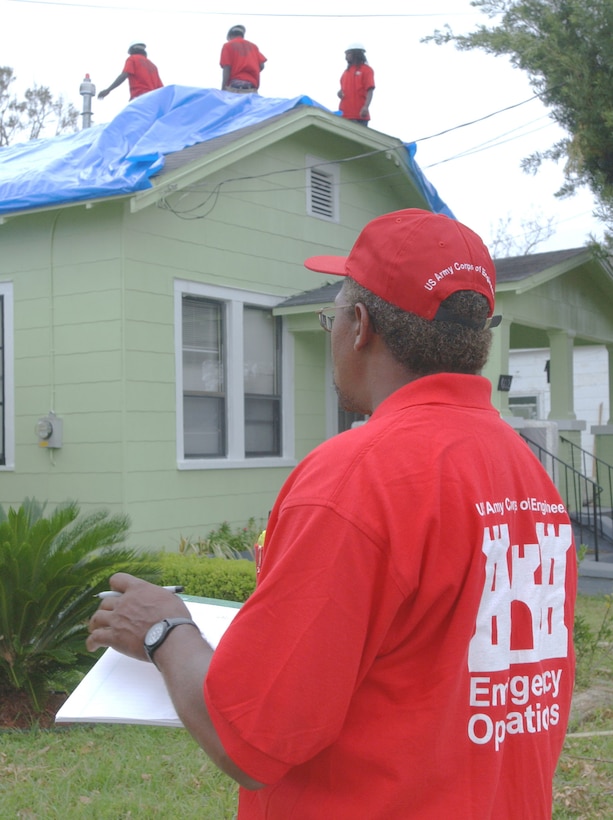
[
  {"x": 508, "y": 242},
  {"x": 28, "y": 117},
  {"x": 566, "y": 48}
]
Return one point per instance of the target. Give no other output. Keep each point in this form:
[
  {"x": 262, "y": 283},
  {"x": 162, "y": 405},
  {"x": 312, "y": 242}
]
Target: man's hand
[{"x": 123, "y": 620}]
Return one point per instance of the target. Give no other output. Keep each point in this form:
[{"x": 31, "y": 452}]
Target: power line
[
  {"x": 209, "y": 13},
  {"x": 212, "y": 194},
  {"x": 494, "y": 142},
  {"x": 216, "y": 191},
  {"x": 479, "y": 119}
]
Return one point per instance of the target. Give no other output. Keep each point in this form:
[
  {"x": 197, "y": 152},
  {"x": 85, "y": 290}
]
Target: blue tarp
[{"x": 121, "y": 156}]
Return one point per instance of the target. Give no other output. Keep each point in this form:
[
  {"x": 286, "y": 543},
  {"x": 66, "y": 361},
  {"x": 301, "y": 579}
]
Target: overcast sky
[{"x": 422, "y": 89}]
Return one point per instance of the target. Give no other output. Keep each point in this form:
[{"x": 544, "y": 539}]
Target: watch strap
[{"x": 170, "y": 624}]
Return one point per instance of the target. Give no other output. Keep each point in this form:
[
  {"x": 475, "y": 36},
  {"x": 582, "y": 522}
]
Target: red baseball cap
[{"x": 416, "y": 259}]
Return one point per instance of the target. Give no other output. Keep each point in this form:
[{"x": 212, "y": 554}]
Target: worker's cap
[
  {"x": 237, "y": 30},
  {"x": 355, "y": 47},
  {"x": 415, "y": 260},
  {"x": 137, "y": 44}
]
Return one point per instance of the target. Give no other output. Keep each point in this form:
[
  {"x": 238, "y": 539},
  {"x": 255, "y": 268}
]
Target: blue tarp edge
[{"x": 426, "y": 188}]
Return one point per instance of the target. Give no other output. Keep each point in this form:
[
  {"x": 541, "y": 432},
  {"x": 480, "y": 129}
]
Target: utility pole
[{"x": 87, "y": 91}]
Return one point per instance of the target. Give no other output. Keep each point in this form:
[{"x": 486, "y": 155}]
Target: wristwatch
[{"x": 157, "y": 634}]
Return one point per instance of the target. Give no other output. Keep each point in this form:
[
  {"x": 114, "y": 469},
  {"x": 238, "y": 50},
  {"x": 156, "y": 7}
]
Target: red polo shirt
[
  {"x": 407, "y": 652},
  {"x": 356, "y": 81},
  {"x": 142, "y": 75}
]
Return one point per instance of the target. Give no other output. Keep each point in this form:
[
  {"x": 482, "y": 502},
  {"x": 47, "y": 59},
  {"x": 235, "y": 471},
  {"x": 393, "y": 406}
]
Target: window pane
[
  {"x": 201, "y": 321},
  {"x": 203, "y": 427},
  {"x": 202, "y": 372},
  {"x": 525, "y": 407},
  {"x": 204, "y": 399},
  {"x": 261, "y": 380},
  {"x": 262, "y": 427},
  {"x": 260, "y": 352},
  {"x": 202, "y": 346}
]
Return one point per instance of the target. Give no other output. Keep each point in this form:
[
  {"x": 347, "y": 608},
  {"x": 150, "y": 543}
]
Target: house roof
[
  {"x": 175, "y": 160},
  {"x": 509, "y": 271},
  {"x": 158, "y": 134},
  {"x": 517, "y": 268},
  {"x": 318, "y": 296}
]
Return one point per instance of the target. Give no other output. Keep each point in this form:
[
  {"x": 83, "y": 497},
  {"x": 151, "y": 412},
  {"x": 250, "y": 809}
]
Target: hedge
[{"x": 221, "y": 578}]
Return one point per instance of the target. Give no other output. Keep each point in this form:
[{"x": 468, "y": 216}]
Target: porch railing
[{"x": 581, "y": 494}]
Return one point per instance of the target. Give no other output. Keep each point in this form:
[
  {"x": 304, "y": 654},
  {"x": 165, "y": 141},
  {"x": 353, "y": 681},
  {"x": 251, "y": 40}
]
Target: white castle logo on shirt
[{"x": 536, "y": 584}]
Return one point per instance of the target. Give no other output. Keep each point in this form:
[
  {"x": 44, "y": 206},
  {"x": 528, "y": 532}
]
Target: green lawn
[
  {"x": 110, "y": 772},
  {"x": 140, "y": 772},
  {"x": 583, "y": 788}
]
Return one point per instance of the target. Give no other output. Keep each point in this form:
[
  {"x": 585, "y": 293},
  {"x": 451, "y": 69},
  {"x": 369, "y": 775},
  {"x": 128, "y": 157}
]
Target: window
[
  {"x": 525, "y": 407},
  {"x": 322, "y": 189},
  {"x": 7, "y": 399},
  {"x": 230, "y": 397}
]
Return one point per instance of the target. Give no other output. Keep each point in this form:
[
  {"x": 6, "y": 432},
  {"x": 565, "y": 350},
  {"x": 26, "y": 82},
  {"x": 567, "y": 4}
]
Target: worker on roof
[
  {"x": 140, "y": 72},
  {"x": 241, "y": 63},
  {"x": 357, "y": 85}
]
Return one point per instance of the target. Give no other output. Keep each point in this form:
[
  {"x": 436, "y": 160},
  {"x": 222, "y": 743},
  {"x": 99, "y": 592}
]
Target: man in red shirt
[
  {"x": 140, "y": 72},
  {"x": 357, "y": 85},
  {"x": 407, "y": 652},
  {"x": 241, "y": 63}
]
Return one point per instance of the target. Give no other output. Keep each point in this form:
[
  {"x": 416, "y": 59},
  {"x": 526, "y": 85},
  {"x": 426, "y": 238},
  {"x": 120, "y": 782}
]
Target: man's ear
[{"x": 364, "y": 327}]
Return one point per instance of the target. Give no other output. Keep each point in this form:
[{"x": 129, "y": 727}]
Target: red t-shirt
[
  {"x": 407, "y": 651},
  {"x": 356, "y": 80},
  {"x": 244, "y": 59},
  {"x": 142, "y": 75}
]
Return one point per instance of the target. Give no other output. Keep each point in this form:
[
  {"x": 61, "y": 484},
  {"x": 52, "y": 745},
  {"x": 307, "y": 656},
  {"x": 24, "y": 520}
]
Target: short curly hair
[{"x": 423, "y": 346}]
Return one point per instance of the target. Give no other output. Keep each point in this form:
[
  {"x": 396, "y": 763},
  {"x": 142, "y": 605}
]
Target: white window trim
[
  {"x": 334, "y": 171},
  {"x": 6, "y": 290},
  {"x": 234, "y": 299}
]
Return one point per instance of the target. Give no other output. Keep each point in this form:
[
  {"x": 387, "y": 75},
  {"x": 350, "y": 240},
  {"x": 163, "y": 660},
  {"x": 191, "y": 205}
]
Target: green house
[
  {"x": 145, "y": 367},
  {"x": 161, "y": 351}
]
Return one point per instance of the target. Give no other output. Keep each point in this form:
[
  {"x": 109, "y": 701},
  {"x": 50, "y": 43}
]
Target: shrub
[
  {"x": 50, "y": 569},
  {"x": 224, "y": 542},
  {"x": 209, "y": 577},
  {"x": 591, "y": 644}
]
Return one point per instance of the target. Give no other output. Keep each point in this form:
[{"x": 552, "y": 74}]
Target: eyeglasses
[{"x": 326, "y": 316}]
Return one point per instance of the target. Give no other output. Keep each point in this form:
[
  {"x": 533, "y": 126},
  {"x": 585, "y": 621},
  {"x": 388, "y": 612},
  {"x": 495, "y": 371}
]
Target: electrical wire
[
  {"x": 479, "y": 119},
  {"x": 494, "y": 142},
  {"x": 214, "y": 194},
  {"x": 209, "y": 13},
  {"x": 216, "y": 191}
]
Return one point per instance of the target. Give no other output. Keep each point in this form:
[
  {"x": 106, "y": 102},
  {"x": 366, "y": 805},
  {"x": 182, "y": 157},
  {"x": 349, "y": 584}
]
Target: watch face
[{"x": 155, "y": 633}]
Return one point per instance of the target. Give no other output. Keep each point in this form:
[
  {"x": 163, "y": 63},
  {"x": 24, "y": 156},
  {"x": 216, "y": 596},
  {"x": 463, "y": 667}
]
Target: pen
[{"x": 111, "y": 593}]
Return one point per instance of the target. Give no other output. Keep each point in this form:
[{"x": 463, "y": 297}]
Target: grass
[
  {"x": 583, "y": 786},
  {"x": 110, "y": 772},
  {"x": 141, "y": 772}
]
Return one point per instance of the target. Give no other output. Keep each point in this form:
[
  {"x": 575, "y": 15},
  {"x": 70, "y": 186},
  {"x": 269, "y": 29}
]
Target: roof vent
[{"x": 322, "y": 192}]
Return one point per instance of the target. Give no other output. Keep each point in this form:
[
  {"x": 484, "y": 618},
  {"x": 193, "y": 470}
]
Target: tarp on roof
[{"x": 121, "y": 156}]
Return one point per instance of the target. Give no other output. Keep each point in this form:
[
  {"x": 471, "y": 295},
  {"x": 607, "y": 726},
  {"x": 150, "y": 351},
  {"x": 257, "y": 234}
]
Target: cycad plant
[{"x": 50, "y": 569}]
